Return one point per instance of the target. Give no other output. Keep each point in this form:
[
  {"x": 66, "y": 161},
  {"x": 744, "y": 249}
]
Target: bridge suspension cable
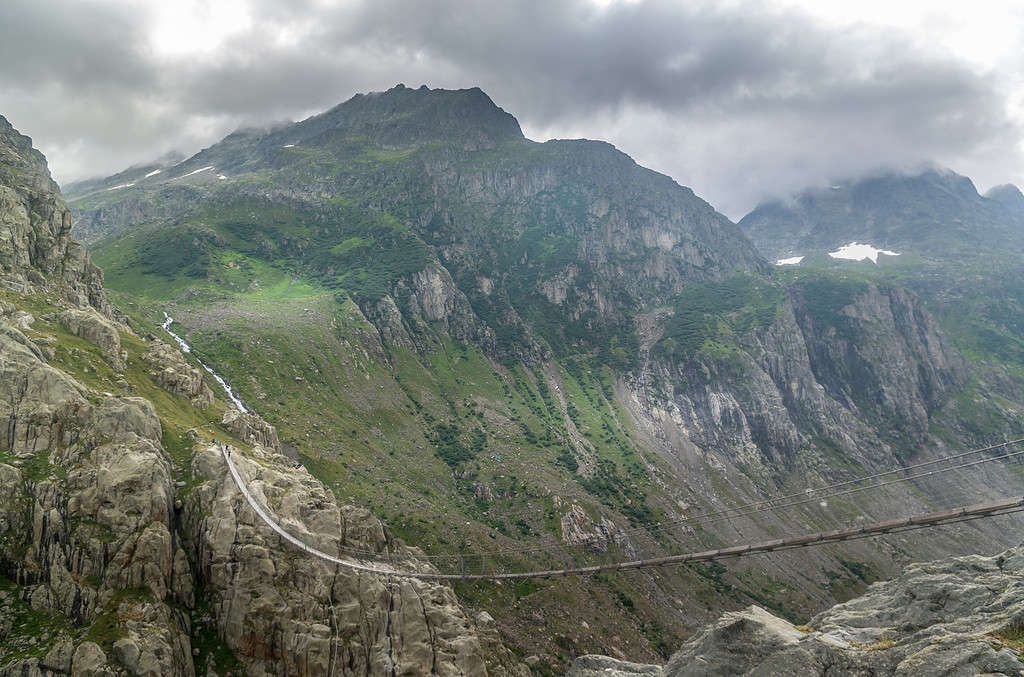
[
  {"x": 790, "y": 500},
  {"x": 766, "y": 505},
  {"x": 960, "y": 514}
]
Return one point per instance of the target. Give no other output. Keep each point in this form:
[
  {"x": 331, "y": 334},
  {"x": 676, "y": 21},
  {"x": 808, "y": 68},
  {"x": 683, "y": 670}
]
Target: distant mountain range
[
  {"x": 962, "y": 252},
  {"x": 931, "y": 214}
]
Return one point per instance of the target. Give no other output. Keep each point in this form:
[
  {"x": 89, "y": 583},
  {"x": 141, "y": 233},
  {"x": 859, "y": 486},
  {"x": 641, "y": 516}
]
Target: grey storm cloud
[{"x": 739, "y": 101}]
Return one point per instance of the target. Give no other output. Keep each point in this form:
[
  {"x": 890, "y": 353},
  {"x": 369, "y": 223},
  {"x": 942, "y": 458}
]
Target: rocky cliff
[
  {"x": 953, "y": 617},
  {"x": 38, "y": 248},
  {"x": 124, "y": 549},
  {"x": 498, "y": 344}
]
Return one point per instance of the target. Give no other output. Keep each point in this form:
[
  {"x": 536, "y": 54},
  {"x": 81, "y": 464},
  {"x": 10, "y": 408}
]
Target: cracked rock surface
[
  {"x": 961, "y": 616},
  {"x": 285, "y": 613}
]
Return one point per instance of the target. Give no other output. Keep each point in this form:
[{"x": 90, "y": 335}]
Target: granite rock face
[
  {"x": 36, "y": 247},
  {"x": 252, "y": 429},
  {"x": 96, "y": 329},
  {"x": 286, "y": 613},
  {"x": 175, "y": 375},
  {"x": 86, "y": 515},
  {"x": 961, "y": 616}
]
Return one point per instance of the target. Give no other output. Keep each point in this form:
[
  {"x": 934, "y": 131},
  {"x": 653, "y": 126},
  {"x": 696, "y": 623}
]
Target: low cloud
[{"x": 739, "y": 101}]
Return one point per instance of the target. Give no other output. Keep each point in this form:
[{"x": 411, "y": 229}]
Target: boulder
[
  {"x": 174, "y": 374},
  {"x": 96, "y": 329},
  {"x": 252, "y": 429}
]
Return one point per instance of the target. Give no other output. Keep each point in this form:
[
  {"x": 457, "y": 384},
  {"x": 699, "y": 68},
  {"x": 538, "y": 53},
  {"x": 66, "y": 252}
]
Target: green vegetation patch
[
  {"x": 225, "y": 247},
  {"x": 715, "y": 312},
  {"x": 32, "y": 632},
  {"x": 823, "y": 295}
]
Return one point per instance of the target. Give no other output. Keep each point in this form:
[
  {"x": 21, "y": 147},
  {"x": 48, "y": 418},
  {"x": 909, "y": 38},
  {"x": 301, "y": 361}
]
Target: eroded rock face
[
  {"x": 86, "y": 498},
  {"x": 37, "y": 402},
  {"x": 283, "y": 612},
  {"x": 952, "y": 617},
  {"x": 96, "y": 329},
  {"x": 36, "y": 248},
  {"x": 579, "y": 529},
  {"x": 877, "y": 356},
  {"x": 86, "y": 515},
  {"x": 175, "y": 375},
  {"x": 252, "y": 429}
]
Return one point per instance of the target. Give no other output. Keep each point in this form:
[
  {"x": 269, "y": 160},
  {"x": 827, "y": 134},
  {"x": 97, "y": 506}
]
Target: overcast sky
[{"x": 738, "y": 100}]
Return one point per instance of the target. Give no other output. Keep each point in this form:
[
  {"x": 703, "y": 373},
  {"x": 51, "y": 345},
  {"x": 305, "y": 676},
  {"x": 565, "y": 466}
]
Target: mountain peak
[
  {"x": 20, "y": 162},
  {"x": 402, "y": 116},
  {"x": 1007, "y": 194},
  {"x": 924, "y": 212}
]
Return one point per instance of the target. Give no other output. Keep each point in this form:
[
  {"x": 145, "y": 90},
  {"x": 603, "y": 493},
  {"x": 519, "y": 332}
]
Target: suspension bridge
[
  {"x": 913, "y": 522},
  {"x": 881, "y": 479}
]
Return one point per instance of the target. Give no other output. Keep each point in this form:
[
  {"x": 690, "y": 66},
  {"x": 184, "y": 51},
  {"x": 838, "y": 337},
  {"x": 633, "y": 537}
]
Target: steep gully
[{"x": 185, "y": 347}]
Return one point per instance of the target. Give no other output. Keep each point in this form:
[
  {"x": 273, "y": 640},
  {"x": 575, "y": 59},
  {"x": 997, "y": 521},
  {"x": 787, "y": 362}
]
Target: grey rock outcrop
[
  {"x": 96, "y": 329},
  {"x": 91, "y": 517},
  {"x": 961, "y": 616},
  {"x": 252, "y": 429},
  {"x": 36, "y": 247},
  {"x": 284, "y": 613},
  {"x": 879, "y": 355},
  {"x": 175, "y": 375},
  {"x": 579, "y": 529},
  {"x": 603, "y": 666}
]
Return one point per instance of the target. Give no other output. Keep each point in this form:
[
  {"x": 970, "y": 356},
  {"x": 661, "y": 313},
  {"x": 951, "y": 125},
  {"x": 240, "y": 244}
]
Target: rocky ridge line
[{"x": 961, "y": 616}]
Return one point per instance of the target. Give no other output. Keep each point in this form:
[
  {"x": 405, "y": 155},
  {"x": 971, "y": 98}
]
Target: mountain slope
[
  {"x": 547, "y": 354},
  {"x": 931, "y": 214},
  {"x": 123, "y": 547},
  {"x": 963, "y": 253},
  {"x": 502, "y": 227}
]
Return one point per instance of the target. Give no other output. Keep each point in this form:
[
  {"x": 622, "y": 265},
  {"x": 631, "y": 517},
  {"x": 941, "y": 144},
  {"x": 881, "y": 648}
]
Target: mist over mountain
[{"x": 932, "y": 213}]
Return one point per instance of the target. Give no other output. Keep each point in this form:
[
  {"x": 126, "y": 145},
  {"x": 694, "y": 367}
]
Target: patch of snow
[
  {"x": 836, "y": 187},
  {"x": 123, "y": 185},
  {"x": 221, "y": 176},
  {"x": 196, "y": 171},
  {"x": 858, "y": 252},
  {"x": 152, "y": 173},
  {"x": 792, "y": 261},
  {"x": 288, "y": 145}
]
